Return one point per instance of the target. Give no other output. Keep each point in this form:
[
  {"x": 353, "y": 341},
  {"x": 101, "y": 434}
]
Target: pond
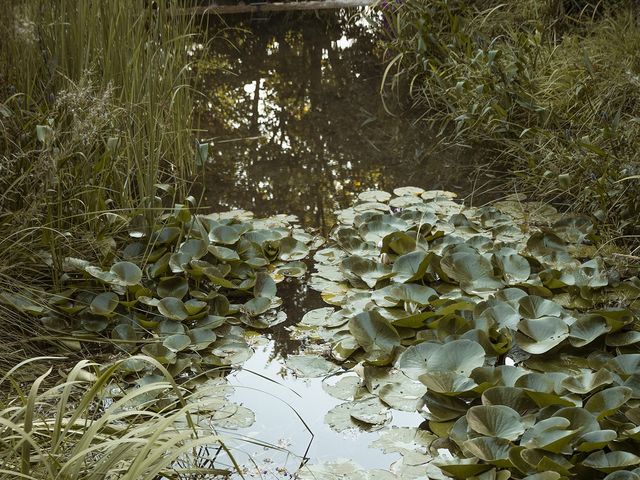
[{"x": 293, "y": 111}]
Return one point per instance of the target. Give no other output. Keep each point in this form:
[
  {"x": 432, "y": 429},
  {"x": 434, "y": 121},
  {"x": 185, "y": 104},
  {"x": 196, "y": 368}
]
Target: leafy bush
[{"x": 550, "y": 89}]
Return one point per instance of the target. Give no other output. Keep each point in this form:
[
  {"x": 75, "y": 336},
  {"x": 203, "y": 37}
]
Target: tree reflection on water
[{"x": 297, "y": 123}]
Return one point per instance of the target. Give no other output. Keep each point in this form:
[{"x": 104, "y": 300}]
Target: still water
[
  {"x": 292, "y": 107},
  {"x": 293, "y": 111}
]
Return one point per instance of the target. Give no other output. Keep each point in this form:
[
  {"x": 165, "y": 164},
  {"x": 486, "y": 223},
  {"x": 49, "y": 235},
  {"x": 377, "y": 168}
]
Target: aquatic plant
[
  {"x": 499, "y": 324},
  {"x": 180, "y": 293}
]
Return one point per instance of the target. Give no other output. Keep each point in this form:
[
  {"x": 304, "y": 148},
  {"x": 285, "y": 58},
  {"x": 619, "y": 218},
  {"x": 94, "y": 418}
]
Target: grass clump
[
  {"x": 551, "y": 89},
  {"x": 78, "y": 430}
]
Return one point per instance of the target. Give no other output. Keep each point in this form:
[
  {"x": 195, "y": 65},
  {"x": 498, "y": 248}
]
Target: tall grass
[
  {"x": 96, "y": 105},
  {"x": 96, "y": 112},
  {"x": 73, "y": 431},
  {"x": 550, "y": 89}
]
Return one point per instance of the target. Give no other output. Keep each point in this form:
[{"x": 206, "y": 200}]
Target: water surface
[{"x": 297, "y": 124}]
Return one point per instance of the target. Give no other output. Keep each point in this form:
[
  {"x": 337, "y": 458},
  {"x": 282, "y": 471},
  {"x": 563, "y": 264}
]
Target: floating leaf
[
  {"x": 611, "y": 461},
  {"x": 374, "y": 333},
  {"x": 309, "y": 366},
  {"x": 173, "y": 308},
  {"x": 410, "y": 267},
  {"x": 606, "y": 402},
  {"x": 104, "y": 303},
  {"x": 495, "y": 421}
]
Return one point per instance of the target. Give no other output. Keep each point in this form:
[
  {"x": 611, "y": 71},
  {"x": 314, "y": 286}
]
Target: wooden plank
[{"x": 278, "y": 6}]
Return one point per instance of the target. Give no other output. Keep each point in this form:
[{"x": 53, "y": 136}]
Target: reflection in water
[
  {"x": 298, "y": 126},
  {"x": 280, "y": 401}
]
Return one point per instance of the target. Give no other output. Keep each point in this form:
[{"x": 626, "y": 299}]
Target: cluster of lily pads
[
  {"x": 517, "y": 344},
  {"x": 182, "y": 292}
]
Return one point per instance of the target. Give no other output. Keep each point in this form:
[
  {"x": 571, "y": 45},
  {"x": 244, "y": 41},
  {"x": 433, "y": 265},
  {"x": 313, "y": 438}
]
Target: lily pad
[{"x": 309, "y": 366}]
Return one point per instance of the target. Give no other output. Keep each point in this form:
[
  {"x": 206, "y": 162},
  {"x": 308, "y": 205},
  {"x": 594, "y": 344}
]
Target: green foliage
[
  {"x": 91, "y": 427},
  {"x": 550, "y": 89},
  {"x": 518, "y": 347},
  {"x": 175, "y": 296}
]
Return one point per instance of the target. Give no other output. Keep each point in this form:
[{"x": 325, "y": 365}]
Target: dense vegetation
[
  {"x": 549, "y": 89},
  {"x": 517, "y": 342}
]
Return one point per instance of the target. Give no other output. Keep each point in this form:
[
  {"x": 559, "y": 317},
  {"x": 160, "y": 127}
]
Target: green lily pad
[
  {"x": 495, "y": 421},
  {"x": 104, "y": 304},
  {"x": 410, "y": 267},
  {"x": 345, "y": 388},
  {"x": 403, "y": 440},
  {"x": 264, "y": 286},
  {"x": 490, "y": 449},
  {"x": 551, "y": 434},
  {"x": 173, "y": 308},
  {"x": 611, "y": 461},
  {"x": 175, "y": 286},
  {"x": 177, "y": 342},
  {"x": 368, "y": 271},
  {"x": 309, "y": 366},
  {"x": 606, "y": 402},
  {"x": 374, "y": 333},
  {"x": 292, "y": 249},
  {"x": 223, "y": 253},
  {"x": 458, "y": 356},
  {"x": 473, "y": 272},
  {"x": 541, "y": 334},
  {"x": 224, "y": 234},
  {"x": 257, "y": 306}
]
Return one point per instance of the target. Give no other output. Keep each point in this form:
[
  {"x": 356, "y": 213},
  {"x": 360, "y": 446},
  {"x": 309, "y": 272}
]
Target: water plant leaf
[
  {"x": 173, "y": 308},
  {"x": 104, "y": 303},
  {"x": 410, "y": 267},
  {"x": 605, "y": 402},
  {"x": 345, "y": 388},
  {"x": 403, "y": 440},
  {"x": 374, "y": 333},
  {"x": 457, "y": 356},
  {"x": 541, "y": 334},
  {"x": 495, "y": 421},
  {"x": 175, "y": 286},
  {"x": 309, "y": 366},
  {"x": 292, "y": 249},
  {"x": 177, "y": 342},
  {"x": 265, "y": 286},
  {"x": 257, "y": 306},
  {"x": 611, "y": 461},
  {"x": 471, "y": 270}
]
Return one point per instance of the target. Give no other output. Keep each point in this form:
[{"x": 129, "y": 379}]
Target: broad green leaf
[
  {"x": 176, "y": 286},
  {"x": 611, "y": 461},
  {"x": 541, "y": 334},
  {"x": 224, "y": 234},
  {"x": 410, "y": 267},
  {"x": 606, "y": 402},
  {"x": 104, "y": 304},
  {"x": 256, "y": 306},
  {"x": 495, "y": 421},
  {"x": 551, "y": 434},
  {"x": 292, "y": 249},
  {"x": 265, "y": 286},
  {"x": 173, "y": 308},
  {"x": 308, "y": 366},
  {"x": 374, "y": 333},
  {"x": 177, "y": 342},
  {"x": 458, "y": 356}
]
